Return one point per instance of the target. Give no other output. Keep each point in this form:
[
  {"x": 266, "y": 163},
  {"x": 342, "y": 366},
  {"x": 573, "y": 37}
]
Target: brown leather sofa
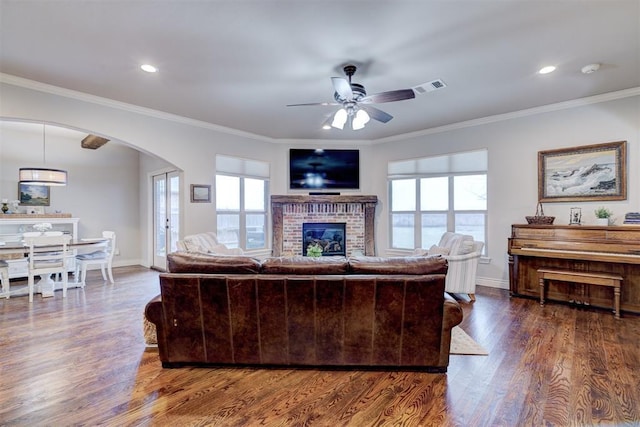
[{"x": 335, "y": 312}]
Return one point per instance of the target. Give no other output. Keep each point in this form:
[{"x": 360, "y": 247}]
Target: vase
[{"x": 602, "y": 221}]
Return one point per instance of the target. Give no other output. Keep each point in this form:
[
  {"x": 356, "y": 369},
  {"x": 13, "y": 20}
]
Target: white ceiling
[{"x": 238, "y": 63}]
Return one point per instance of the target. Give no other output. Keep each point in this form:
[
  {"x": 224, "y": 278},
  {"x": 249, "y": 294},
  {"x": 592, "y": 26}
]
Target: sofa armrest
[
  {"x": 153, "y": 313},
  {"x": 452, "y": 315},
  {"x": 153, "y": 310}
]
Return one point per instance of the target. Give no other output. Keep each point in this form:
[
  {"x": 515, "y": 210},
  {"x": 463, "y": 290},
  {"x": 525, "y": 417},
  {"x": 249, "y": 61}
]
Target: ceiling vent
[{"x": 429, "y": 86}]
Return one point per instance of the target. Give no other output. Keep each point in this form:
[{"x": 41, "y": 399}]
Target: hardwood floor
[{"x": 82, "y": 361}]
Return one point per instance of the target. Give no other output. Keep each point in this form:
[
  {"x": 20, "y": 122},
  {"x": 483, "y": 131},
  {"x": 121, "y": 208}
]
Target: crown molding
[
  {"x": 106, "y": 102},
  {"x": 574, "y": 103},
  {"x": 81, "y": 96}
]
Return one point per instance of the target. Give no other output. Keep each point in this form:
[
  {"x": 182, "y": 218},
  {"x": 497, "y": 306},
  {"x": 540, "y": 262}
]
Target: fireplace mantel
[
  {"x": 366, "y": 204},
  {"x": 297, "y": 199}
]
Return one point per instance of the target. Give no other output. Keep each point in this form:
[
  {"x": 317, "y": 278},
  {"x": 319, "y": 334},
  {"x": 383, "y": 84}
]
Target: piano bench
[{"x": 583, "y": 277}]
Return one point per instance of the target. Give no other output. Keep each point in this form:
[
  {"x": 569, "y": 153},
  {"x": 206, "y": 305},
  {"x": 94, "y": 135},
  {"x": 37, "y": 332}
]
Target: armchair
[
  {"x": 461, "y": 277},
  {"x": 462, "y": 254},
  {"x": 207, "y": 243}
]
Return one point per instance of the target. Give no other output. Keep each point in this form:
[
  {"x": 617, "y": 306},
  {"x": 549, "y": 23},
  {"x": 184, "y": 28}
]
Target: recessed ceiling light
[
  {"x": 149, "y": 68},
  {"x": 546, "y": 70},
  {"x": 326, "y": 126}
]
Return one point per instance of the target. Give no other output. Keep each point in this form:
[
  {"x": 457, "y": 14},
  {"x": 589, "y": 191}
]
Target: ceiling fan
[{"x": 356, "y": 104}]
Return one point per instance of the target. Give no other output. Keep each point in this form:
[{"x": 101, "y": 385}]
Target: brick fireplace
[{"x": 289, "y": 213}]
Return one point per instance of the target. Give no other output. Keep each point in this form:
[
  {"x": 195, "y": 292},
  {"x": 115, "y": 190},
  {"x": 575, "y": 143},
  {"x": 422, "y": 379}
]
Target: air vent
[{"x": 429, "y": 86}]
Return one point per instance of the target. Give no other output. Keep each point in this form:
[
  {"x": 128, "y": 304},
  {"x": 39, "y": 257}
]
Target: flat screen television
[{"x": 318, "y": 169}]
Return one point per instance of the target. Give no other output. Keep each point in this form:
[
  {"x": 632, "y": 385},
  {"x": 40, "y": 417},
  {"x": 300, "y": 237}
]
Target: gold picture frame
[
  {"x": 588, "y": 173},
  {"x": 200, "y": 193}
]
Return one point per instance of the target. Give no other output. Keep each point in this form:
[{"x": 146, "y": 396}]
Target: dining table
[{"x": 18, "y": 250}]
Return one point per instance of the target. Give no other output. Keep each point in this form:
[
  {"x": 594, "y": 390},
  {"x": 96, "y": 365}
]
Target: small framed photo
[
  {"x": 34, "y": 195},
  {"x": 576, "y": 216},
  {"x": 200, "y": 193}
]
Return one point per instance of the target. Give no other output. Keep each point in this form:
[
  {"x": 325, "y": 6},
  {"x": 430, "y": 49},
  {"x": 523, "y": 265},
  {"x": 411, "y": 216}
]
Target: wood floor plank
[{"x": 82, "y": 361}]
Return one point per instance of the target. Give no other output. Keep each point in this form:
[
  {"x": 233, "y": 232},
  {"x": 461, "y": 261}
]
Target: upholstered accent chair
[
  {"x": 463, "y": 254},
  {"x": 206, "y": 243}
]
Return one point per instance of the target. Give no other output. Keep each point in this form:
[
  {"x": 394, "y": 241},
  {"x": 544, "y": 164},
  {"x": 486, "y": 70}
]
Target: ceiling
[{"x": 238, "y": 63}]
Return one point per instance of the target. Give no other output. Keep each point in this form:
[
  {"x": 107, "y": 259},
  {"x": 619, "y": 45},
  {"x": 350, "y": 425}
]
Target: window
[
  {"x": 433, "y": 195},
  {"x": 242, "y": 191}
]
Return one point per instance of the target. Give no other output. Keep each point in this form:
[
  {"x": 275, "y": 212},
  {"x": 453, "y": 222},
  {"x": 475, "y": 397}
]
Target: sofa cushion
[
  {"x": 191, "y": 262},
  {"x": 305, "y": 265},
  {"x": 398, "y": 265}
]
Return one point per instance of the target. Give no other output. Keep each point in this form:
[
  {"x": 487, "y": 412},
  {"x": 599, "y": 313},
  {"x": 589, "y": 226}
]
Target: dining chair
[
  {"x": 48, "y": 255},
  {"x": 4, "y": 278},
  {"x": 28, "y": 234},
  {"x": 103, "y": 258}
]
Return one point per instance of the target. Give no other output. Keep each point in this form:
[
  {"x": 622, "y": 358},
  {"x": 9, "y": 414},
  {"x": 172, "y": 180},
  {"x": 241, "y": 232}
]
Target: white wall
[
  {"x": 103, "y": 187},
  {"x": 191, "y": 147},
  {"x": 513, "y": 146}
]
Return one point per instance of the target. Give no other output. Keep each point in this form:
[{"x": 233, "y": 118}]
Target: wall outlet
[{"x": 116, "y": 252}]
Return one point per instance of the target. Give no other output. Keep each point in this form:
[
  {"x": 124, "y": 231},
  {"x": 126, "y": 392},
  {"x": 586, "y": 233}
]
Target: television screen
[{"x": 324, "y": 169}]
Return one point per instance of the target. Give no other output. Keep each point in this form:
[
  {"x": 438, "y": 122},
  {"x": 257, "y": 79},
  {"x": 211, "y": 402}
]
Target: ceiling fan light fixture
[
  {"x": 361, "y": 119},
  {"x": 350, "y": 95},
  {"x": 340, "y": 119}
]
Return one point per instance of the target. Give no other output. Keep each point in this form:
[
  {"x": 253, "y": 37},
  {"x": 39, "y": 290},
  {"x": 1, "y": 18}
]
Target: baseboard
[
  {"x": 119, "y": 263},
  {"x": 492, "y": 283}
]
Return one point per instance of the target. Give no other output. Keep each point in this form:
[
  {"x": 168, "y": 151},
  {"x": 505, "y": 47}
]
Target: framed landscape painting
[
  {"x": 34, "y": 195},
  {"x": 587, "y": 173}
]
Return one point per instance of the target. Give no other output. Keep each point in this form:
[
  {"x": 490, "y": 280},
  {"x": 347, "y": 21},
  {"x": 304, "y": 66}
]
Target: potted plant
[
  {"x": 314, "y": 250},
  {"x": 602, "y": 215}
]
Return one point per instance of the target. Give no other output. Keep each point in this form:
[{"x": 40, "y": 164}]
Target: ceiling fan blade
[
  {"x": 376, "y": 114},
  {"x": 342, "y": 88},
  {"x": 313, "y": 103},
  {"x": 391, "y": 96}
]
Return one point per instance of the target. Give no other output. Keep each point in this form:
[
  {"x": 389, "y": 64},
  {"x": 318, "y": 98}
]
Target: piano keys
[{"x": 604, "y": 249}]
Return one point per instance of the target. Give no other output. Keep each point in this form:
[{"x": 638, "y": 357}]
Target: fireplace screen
[{"x": 330, "y": 236}]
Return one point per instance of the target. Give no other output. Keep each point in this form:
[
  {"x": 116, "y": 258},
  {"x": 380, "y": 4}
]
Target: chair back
[
  {"x": 48, "y": 253},
  {"x": 111, "y": 244}
]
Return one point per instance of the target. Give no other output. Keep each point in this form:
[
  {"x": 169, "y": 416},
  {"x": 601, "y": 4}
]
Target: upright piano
[{"x": 606, "y": 249}]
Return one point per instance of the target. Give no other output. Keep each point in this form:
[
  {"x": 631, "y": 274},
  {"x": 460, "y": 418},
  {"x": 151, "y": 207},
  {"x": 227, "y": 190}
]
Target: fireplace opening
[{"x": 330, "y": 236}]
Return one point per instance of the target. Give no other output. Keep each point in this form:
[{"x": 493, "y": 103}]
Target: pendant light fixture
[{"x": 43, "y": 176}]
